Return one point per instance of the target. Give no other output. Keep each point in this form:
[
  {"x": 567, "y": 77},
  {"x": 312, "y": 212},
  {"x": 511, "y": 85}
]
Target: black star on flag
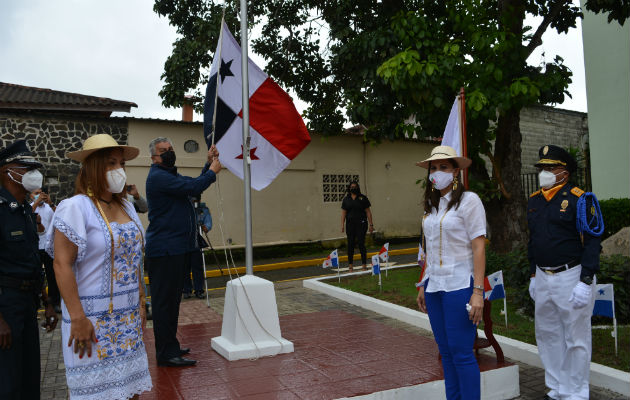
[{"x": 225, "y": 115}]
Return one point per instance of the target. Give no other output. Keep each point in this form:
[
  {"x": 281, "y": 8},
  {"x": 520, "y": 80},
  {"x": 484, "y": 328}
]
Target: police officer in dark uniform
[
  {"x": 563, "y": 262},
  {"x": 20, "y": 276}
]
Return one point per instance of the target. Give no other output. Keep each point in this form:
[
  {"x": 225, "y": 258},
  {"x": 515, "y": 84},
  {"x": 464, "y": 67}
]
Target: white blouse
[{"x": 448, "y": 239}]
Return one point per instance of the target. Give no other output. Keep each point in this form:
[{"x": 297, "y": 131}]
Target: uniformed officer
[
  {"x": 20, "y": 276},
  {"x": 563, "y": 264}
]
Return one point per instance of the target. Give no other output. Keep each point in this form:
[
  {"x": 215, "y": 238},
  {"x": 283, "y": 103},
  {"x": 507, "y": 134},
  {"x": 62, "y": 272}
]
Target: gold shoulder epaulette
[
  {"x": 535, "y": 193},
  {"x": 577, "y": 191}
]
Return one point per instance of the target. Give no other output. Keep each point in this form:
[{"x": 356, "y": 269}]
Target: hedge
[
  {"x": 614, "y": 269},
  {"x": 616, "y": 214}
]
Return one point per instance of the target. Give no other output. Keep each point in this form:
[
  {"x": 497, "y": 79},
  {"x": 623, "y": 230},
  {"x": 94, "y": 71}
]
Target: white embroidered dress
[{"x": 118, "y": 368}]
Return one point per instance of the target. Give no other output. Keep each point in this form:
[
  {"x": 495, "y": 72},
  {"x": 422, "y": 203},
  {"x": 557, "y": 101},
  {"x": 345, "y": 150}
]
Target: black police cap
[
  {"x": 18, "y": 152},
  {"x": 555, "y": 155}
]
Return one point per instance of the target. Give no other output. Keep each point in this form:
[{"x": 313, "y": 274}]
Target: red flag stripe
[{"x": 273, "y": 115}]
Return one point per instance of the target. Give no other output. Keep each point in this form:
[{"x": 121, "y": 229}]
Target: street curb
[
  {"x": 601, "y": 375},
  {"x": 292, "y": 264}
]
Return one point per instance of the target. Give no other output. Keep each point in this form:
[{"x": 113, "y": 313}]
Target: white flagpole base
[{"x": 242, "y": 337}]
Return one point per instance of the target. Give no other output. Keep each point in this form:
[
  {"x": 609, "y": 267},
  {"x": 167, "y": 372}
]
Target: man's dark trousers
[
  {"x": 166, "y": 281},
  {"x": 19, "y": 365}
]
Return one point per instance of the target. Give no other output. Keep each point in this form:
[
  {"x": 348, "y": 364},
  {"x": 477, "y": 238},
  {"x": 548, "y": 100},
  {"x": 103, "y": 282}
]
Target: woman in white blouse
[
  {"x": 97, "y": 245},
  {"x": 454, "y": 229}
]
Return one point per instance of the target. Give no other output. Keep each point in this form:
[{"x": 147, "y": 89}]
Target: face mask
[
  {"x": 116, "y": 179},
  {"x": 168, "y": 158},
  {"x": 35, "y": 197},
  {"x": 547, "y": 179},
  {"x": 354, "y": 191},
  {"x": 31, "y": 180},
  {"x": 441, "y": 179}
]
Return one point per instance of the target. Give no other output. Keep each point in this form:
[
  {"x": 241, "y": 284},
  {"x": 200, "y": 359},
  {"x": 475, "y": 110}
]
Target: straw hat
[
  {"x": 444, "y": 153},
  {"x": 102, "y": 141}
]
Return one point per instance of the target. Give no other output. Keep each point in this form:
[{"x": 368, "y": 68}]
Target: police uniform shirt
[
  {"x": 553, "y": 236},
  {"x": 355, "y": 209},
  {"x": 19, "y": 256}
]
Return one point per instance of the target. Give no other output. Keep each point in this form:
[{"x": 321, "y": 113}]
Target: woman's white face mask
[
  {"x": 116, "y": 179},
  {"x": 441, "y": 179}
]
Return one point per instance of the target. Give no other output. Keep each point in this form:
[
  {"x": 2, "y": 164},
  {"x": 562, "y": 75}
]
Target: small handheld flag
[
  {"x": 605, "y": 305},
  {"x": 384, "y": 252},
  {"x": 493, "y": 289},
  {"x": 332, "y": 261},
  {"x": 493, "y": 286},
  {"x": 376, "y": 266}
]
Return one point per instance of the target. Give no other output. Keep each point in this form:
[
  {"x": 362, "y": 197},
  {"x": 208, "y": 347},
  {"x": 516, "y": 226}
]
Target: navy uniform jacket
[
  {"x": 19, "y": 242},
  {"x": 172, "y": 221},
  {"x": 553, "y": 236}
]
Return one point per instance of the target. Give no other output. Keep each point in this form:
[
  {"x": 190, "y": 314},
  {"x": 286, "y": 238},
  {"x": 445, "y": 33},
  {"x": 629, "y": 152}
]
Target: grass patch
[{"x": 399, "y": 288}]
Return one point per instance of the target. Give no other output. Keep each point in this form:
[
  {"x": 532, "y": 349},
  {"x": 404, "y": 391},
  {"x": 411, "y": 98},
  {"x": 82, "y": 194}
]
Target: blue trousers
[{"x": 455, "y": 336}]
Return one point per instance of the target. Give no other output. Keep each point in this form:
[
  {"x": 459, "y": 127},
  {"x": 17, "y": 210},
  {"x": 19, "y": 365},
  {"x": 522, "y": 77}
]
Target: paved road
[{"x": 291, "y": 298}]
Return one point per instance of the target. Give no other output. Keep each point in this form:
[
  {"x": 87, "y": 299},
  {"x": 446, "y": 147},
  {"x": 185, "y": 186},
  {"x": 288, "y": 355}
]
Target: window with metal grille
[{"x": 334, "y": 186}]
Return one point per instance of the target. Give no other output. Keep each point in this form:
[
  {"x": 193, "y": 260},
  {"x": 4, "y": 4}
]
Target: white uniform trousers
[{"x": 563, "y": 334}]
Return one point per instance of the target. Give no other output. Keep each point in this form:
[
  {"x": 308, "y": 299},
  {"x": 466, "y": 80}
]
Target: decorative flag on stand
[
  {"x": 277, "y": 131},
  {"x": 605, "y": 305},
  {"x": 332, "y": 261},
  {"x": 376, "y": 266},
  {"x": 384, "y": 252},
  {"x": 493, "y": 286}
]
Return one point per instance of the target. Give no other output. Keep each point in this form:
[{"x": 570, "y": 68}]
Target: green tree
[{"x": 381, "y": 63}]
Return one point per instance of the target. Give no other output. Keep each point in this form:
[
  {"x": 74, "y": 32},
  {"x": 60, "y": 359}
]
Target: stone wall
[
  {"x": 547, "y": 125},
  {"x": 50, "y": 137}
]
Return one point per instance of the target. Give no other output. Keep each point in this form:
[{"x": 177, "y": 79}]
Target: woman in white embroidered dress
[
  {"x": 98, "y": 242},
  {"x": 454, "y": 228}
]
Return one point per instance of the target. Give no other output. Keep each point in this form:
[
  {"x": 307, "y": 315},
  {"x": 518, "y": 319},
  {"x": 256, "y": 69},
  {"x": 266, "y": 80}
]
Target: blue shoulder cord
[{"x": 583, "y": 225}]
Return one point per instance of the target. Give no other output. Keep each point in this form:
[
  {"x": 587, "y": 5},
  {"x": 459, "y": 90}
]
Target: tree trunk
[{"x": 507, "y": 216}]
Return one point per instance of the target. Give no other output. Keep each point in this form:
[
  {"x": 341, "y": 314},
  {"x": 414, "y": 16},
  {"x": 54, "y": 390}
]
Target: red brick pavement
[{"x": 337, "y": 354}]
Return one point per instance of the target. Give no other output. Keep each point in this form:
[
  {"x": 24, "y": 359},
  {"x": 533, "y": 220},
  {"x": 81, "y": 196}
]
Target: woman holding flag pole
[{"x": 451, "y": 290}]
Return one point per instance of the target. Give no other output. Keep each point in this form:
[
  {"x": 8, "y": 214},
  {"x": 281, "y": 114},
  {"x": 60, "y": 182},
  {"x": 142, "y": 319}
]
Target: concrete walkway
[{"x": 292, "y": 298}]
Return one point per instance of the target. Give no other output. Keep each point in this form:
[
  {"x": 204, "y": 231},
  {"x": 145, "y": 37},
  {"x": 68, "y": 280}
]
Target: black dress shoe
[
  {"x": 200, "y": 295},
  {"x": 187, "y": 295},
  {"x": 177, "y": 362},
  {"x": 184, "y": 351}
]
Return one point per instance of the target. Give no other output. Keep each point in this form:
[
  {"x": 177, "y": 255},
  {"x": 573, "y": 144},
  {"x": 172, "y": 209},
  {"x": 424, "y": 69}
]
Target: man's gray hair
[{"x": 156, "y": 141}]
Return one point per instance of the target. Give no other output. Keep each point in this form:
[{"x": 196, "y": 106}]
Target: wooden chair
[{"x": 487, "y": 329}]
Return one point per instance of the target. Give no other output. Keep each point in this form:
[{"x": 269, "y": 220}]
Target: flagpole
[
  {"x": 462, "y": 119},
  {"x": 249, "y": 254}
]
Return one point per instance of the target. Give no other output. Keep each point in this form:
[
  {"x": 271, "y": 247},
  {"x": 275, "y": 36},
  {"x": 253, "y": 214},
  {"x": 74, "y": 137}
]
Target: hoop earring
[{"x": 455, "y": 181}]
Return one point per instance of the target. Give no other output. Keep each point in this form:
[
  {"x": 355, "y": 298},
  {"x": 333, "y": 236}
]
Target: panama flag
[
  {"x": 376, "y": 266},
  {"x": 453, "y": 133},
  {"x": 277, "y": 131},
  {"x": 493, "y": 286},
  {"x": 332, "y": 260},
  {"x": 604, "y": 300},
  {"x": 384, "y": 252}
]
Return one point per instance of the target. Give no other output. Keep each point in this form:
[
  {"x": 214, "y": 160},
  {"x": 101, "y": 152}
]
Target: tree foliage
[{"x": 395, "y": 67}]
